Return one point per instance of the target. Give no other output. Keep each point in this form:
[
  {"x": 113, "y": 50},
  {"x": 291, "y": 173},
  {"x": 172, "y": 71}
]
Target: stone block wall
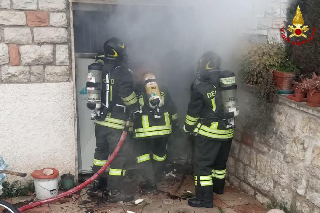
[
  {"x": 269, "y": 18},
  {"x": 284, "y": 164},
  {"x": 34, "y": 41},
  {"x": 37, "y": 111}
]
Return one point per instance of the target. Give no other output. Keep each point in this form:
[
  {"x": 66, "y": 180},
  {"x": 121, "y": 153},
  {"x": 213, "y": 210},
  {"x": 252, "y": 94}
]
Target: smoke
[
  {"x": 171, "y": 39},
  {"x": 158, "y": 33}
]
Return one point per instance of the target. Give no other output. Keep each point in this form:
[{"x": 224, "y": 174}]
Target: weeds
[
  {"x": 16, "y": 189},
  {"x": 221, "y": 210},
  {"x": 282, "y": 206}
]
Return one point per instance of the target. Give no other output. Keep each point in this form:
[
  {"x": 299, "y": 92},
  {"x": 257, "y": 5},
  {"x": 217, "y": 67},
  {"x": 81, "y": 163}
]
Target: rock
[
  {"x": 245, "y": 154},
  {"x": 303, "y": 206},
  {"x": 235, "y": 147},
  {"x": 15, "y": 74},
  {"x": 37, "y": 74},
  {"x": 50, "y": 35},
  {"x": 316, "y": 156},
  {"x": 62, "y": 54},
  {"x": 275, "y": 211},
  {"x": 262, "y": 199},
  {"x": 234, "y": 181},
  {"x": 240, "y": 170},
  {"x": 18, "y": 35},
  {"x": 273, "y": 9},
  {"x": 247, "y": 189},
  {"x": 12, "y": 18},
  {"x": 264, "y": 23},
  {"x": 251, "y": 176},
  {"x": 274, "y": 36},
  {"x": 264, "y": 183},
  {"x": 58, "y": 19},
  {"x": 36, "y": 54},
  {"x": 5, "y": 4},
  {"x": 24, "y": 4},
  {"x": 4, "y": 53},
  {"x": 231, "y": 165},
  {"x": 53, "y": 5},
  {"x": 57, "y": 73},
  {"x": 37, "y": 18},
  {"x": 14, "y": 55},
  {"x": 264, "y": 164},
  {"x": 283, "y": 196},
  {"x": 253, "y": 158}
]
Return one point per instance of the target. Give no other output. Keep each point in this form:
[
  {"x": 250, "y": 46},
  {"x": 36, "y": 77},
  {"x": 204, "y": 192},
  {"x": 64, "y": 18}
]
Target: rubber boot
[
  {"x": 208, "y": 196},
  {"x": 149, "y": 186},
  {"x": 98, "y": 185},
  {"x": 198, "y": 201},
  {"x": 218, "y": 186},
  {"x": 117, "y": 196}
]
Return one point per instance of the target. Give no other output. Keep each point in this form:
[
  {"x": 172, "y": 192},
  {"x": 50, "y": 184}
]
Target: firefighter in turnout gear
[
  {"x": 152, "y": 130},
  {"x": 118, "y": 100},
  {"x": 210, "y": 118}
]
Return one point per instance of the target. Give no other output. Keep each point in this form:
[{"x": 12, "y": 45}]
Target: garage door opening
[{"x": 153, "y": 35}]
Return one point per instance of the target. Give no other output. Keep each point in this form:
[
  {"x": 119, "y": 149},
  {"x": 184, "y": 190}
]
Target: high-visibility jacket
[
  {"x": 205, "y": 114},
  {"x": 147, "y": 126},
  {"x": 122, "y": 98}
]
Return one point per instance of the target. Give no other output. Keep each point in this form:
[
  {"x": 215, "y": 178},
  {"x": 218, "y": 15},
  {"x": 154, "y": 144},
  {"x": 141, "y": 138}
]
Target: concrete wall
[
  {"x": 37, "y": 111},
  {"x": 37, "y": 126},
  {"x": 284, "y": 164}
]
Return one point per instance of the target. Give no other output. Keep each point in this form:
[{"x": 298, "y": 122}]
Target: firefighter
[
  {"x": 210, "y": 118},
  {"x": 152, "y": 129},
  {"x": 118, "y": 100}
]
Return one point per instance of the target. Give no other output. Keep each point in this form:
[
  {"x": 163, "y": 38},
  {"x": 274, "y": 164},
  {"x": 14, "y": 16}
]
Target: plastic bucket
[
  {"x": 46, "y": 188},
  {"x": 46, "y": 185}
]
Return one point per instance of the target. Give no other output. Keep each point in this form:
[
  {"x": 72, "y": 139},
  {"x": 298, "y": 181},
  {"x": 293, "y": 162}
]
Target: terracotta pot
[
  {"x": 283, "y": 81},
  {"x": 299, "y": 94},
  {"x": 314, "y": 99}
]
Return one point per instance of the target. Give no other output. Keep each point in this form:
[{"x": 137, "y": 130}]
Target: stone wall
[
  {"x": 37, "y": 119},
  {"x": 269, "y": 18},
  {"x": 35, "y": 44},
  {"x": 284, "y": 164}
]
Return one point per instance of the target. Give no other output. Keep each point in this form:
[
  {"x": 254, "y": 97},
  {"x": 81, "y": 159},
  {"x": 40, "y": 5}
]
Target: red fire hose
[{"x": 87, "y": 182}]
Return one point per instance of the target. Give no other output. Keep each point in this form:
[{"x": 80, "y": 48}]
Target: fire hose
[{"x": 87, "y": 182}]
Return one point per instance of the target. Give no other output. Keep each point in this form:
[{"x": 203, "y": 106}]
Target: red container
[
  {"x": 283, "y": 80},
  {"x": 299, "y": 94},
  {"x": 314, "y": 99}
]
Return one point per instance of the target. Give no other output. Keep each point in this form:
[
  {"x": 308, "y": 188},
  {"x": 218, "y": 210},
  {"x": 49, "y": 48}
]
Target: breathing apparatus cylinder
[
  {"x": 155, "y": 99},
  {"x": 229, "y": 94},
  {"x": 94, "y": 87}
]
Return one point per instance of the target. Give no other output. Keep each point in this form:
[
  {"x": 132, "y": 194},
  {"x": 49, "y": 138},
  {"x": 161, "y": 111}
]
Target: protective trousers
[
  {"x": 151, "y": 157},
  {"x": 106, "y": 141},
  {"x": 210, "y": 160}
]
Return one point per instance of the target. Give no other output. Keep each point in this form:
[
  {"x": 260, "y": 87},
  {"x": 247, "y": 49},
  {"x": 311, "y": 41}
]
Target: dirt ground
[{"x": 172, "y": 196}]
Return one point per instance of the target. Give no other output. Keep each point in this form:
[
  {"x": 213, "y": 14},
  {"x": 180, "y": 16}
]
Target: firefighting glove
[{"x": 102, "y": 114}]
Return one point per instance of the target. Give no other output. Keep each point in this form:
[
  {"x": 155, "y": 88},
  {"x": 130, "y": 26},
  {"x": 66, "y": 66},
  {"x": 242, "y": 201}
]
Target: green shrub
[
  {"x": 16, "y": 189},
  {"x": 257, "y": 64}
]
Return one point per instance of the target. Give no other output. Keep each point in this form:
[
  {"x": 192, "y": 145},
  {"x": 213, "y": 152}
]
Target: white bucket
[{"x": 46, "y": 188}]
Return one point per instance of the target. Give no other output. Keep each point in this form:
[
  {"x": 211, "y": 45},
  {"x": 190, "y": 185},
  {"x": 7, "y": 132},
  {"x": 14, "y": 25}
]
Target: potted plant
[
  {"x": 284, "y": 75},
  {"x": 67, "y": 181},
  {"x": 313, "y": 91},
  {"x": 300, "y": 89}
]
